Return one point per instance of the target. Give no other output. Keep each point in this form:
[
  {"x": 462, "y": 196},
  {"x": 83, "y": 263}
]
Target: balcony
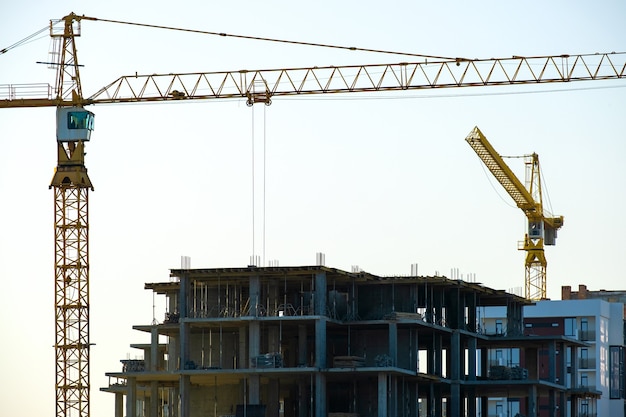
[
  {"x": 583, "y": 389},
  {"x": 586, "y": 363},
  {"x": 587, "y": 335}
]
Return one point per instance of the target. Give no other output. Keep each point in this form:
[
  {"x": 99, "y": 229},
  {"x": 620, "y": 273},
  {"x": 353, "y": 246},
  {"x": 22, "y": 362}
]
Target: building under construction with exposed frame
[{"x": 316, "y": 341}]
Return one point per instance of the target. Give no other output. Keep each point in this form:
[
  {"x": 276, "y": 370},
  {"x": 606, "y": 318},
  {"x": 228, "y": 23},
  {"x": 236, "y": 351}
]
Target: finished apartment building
[
  {"x": 594, "y": 371},
  {"x": 317, "y": 341}
]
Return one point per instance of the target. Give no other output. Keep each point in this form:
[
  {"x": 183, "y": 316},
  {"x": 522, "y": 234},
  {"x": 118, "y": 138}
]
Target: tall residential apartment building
[
  {"x": 594, "y": 371},
  {"x": 317, "y": 341}
]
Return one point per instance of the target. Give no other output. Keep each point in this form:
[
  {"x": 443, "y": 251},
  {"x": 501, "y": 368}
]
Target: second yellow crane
[{"x": 542, "y": 226}]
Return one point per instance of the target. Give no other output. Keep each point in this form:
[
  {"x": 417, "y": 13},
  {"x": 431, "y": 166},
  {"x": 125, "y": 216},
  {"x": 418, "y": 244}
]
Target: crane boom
[
  {"x": 337, "y": 79},
  {"x": 501, "y": 171}
]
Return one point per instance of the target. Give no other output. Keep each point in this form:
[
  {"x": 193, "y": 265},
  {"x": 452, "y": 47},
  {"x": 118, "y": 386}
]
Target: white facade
[
  {"x": 601, "y": 325},
  {"x": 593, "y": 321}
]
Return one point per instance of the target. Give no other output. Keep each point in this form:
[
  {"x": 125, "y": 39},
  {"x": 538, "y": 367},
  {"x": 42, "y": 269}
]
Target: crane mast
[
  {"x": 71, "y": 185},
  {"x": 542, "y": 226}
]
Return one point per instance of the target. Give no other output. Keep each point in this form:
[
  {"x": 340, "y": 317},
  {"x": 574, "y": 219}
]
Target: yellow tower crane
[
  {"x": 542, "y": 226},
  {"x": 71, "y": 183}
]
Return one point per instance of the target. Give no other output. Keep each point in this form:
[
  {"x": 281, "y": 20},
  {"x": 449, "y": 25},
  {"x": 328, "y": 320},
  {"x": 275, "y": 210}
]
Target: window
[
  {"x": 584, "y": 329},
  {"x": 498, "y": 326},
  {"x": 584, "y": 408},
  {"x": 584, "y": 380},
  {"x": 535, "y": 230},
  {"x": 80, "y": 120},
  {"x": 616, "y": 372},
  {"x": 584, "y": 358},
  {"x": 584, "y": 325},
  {"x": 515, "y": 357},
  {"x": 570, "y": 327},
  {"x": 499, "y": 357}
]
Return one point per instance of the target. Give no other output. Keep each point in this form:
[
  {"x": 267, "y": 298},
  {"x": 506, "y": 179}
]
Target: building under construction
[{"x": 316, "y": 341}]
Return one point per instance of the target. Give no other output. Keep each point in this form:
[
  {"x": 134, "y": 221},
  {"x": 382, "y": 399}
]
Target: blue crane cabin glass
[{"x": 74, "y": 124}]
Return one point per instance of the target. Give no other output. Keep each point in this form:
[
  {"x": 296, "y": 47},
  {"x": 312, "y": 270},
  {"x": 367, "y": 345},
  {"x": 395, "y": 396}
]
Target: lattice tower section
[{"x": 71, "y": 227}]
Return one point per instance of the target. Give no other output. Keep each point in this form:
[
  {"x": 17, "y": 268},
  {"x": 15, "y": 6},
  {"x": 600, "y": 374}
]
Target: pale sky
[{"x": 380, "y": 181}]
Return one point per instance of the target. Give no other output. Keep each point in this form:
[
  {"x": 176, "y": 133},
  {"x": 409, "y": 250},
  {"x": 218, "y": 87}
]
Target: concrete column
[
  {"x": 414, "y": 365},
  {"x": 320, "y": 343},
  {"x": 183, "y": 291},
  {"x": 184, "y": 344},
  {"x": 514, "y": 319},
  {"x": 552, "y": 361},
  {"x": 393, "y": 397},
  {"x": 471, "y": 357},
  {"x": 119, "y": 404},
  {"x": 184, "y": 394},
  {"x": 254, "y": 338},
  {"x": 131, "y": 397},
  {"x": 471, "y": 313},
  {"x": 531, "y": 411},
  {"x": 154, "y": 399},
  {"x": 484, "y": 362},
  {"x": 455, "y": 374},
  {"x": 393, "y": 343},
  {"x": 172, "y": 354},
  {"x": 320, "y": 293},
  {"x": 320, "y": 395},
  {"x": 302, "y": 345},
  {"x": 255, "y": 294},
  {"x": 574, "y": 367},
  {"x": 254, "y": 347},
  {"x": 174, "y": 401},
  {"x": 438, "y": 354},
  {"x": 455, "y": 356},
  {"x": 183, "y": 325},
  {"x": 154, "y": 349},
  {"x": 454, "y": 403},
  {"x": 382, "y": 394},
  {"x": 563, "y": 363},
  {"x": 563, "y": 404}
]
